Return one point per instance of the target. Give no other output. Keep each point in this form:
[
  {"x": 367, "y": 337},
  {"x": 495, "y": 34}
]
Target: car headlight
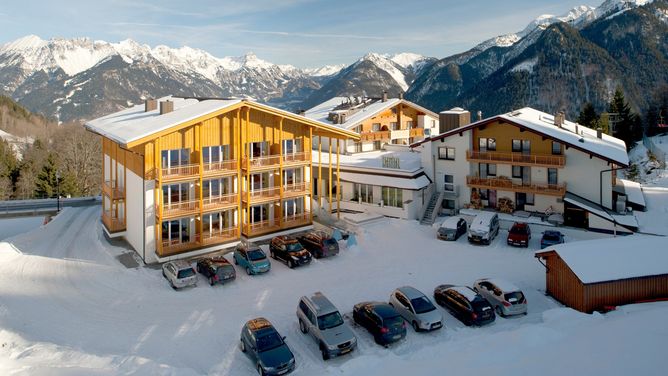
[
  {"x": 291, "y": 362},
  {"x": 332, "y": 347}
]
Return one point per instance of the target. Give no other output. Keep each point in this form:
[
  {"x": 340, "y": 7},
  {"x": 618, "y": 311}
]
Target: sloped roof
[
  {"x": 608, "y": 148},
  {"x": 321, "y": 112}
]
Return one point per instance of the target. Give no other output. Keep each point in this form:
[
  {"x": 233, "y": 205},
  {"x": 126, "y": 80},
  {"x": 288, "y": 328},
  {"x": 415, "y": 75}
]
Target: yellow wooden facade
[
  {"x": 378, "y": 128},
  {"x": 236, "y": 128}
]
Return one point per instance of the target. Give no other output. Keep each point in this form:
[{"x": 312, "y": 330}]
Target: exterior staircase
[{"x": 431, "y": 211}]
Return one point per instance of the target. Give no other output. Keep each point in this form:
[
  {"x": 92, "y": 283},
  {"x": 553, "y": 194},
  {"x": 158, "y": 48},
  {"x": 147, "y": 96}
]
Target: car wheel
[
  {"x": 242, "y": 346},
  {"x": 499, "y": 311},
  {"x": 302, "y": 327},
  {"x": 248, "y": 271},
  {"x": 172, "y": 284},
  {"x": 260, "y": 370},
  {"x": 211, "y": 281},
  {"x": 415, "y": 326},
  {"x": 235, "y": 261},
  {"x": 323, "y": 351},
  {"x": 291, "y": 264},
  {"x": 163, "y": 273},
  {"x": 272, "y": 255}
]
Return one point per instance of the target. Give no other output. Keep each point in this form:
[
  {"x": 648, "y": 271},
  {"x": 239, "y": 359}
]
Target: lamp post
[{"x": 57, "y": 191}]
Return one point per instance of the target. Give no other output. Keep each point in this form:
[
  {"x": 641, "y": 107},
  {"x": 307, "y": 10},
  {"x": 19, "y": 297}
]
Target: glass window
[
  {"x": 448, "y": 204},
  {"x": 376, "y": 145},
  {"x": 393, "y": 197},
  {"x": 517, "y": 146},
  {"x": 409, "y": 124},
  {"x": 487, "y": 144},
  {"x": 363, "y": 193},
  {"x": 556, "y": 148},
  {"x": 394, "y": 126},
  {"x": 530, "y": 199},
  {"x": 517, "y": 171},
  {"x": 357, "y": 147},
  {"x": 330, "y": 320},
  {"x": 449, "y": 181},
  {"x": 552, "y": 176},
  {"x": 446, "y": 153},
  {"x": 375, "y": 127}
]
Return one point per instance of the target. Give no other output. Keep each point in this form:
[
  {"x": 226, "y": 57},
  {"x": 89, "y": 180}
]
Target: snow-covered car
[
  {"x": 416, "y": 308},
  {"x": 216, "y": 270},
  {"x": 179, "y": 274},
  {"x": 319, "y": 318},
  {"x": 519, "y": 234},
  {"x": 266, "y": 348},
  {"x": 452, "y": 228},
  {"x": 506, "y": 298},
  {"x": 381, "y": 320},
  {"x": 550, "y": 238},
  {"x": 465, "y": 304},
  {"x": 251, "y": 258},
  {"x": 320, "y": 244},
  {"x": 484, "y": 228}
]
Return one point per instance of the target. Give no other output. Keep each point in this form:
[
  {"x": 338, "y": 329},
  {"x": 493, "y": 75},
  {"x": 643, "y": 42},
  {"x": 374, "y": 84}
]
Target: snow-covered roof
[
  {"x": 622, "y": 219},
  {"x": 134, "y": 123},
  {"x": 413, "y": 183},
  {"x": 376, "y": 106},
  {"x": 612, "y": 259},
  {"x": 373, "y": 160},
  {"x": 632, "y": 190},
  {"x": 454, "y": 110}
]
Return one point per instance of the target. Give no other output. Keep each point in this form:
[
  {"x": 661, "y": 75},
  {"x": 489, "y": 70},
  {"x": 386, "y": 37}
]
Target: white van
[{"x": 484, "y": 228}]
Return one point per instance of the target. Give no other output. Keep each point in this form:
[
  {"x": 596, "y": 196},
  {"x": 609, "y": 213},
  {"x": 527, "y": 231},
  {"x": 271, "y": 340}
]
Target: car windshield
[
  {"x": 225, "y": 269},
  {"x": 294, "y": 247},
  {"x": 268, "y": 342},
  {"x": 256, "y": 255},
  {"x": 392, "y": 321},
  {"x": 514, "y": 297},
  {"x": 330, "y": 241},
  {"x": 480, "y": 305},
  {"x": 422, "y": 305},
  {"x": 185, "y": 273},
  {"x": 330, "y": 320},
  {"x": 554, "y": 237},
  {"x": 518, "y": 230}
]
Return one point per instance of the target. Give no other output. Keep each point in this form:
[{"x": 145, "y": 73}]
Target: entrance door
[{"x": 520, "y": 200}]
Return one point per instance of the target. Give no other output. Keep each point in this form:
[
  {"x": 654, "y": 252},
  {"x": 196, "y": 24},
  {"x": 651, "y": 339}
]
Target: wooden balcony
[
  {"x": 417, "y": 132},
  {"x": 506, "y": 184},
  {"x": 296, "y": 189},
  {"x": 259, "y": 163},
  {"x": 220, "y": 202},
  {"x": 263, "y": 194},
  {"x": 224, "y": 236},
  {"x": 296, "y": 220},
  {"x": 517, "y": 159},
  {"x": 112, "y": 190},
  {"x": 220, "y": 168},
  {"x": 112, "y": 223},
  {"x": 182, "y": 172},
  {"x": 296, "y": 158},
  {"x": 265, "y": 227},
  {"x": 375, "y": 136},
  {"x": 167, "y": 248},
  {"x": 179, "y": 209}
]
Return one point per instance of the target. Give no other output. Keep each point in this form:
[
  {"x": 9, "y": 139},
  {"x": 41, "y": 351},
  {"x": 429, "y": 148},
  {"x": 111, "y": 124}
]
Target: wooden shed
[{"x": 592, "y": 275}]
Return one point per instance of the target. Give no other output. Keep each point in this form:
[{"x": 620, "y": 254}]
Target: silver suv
[
  {"x": 179, "y": 274},
  {"x": 320, "y": 318}
]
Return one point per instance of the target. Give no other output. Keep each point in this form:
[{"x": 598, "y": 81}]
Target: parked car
[
  {"x": 266, "y": 348},
  {"x": 465, "y": 304},
  {"x": 252, "y": 258},
  {"x": 216, "y": 270},
  {"x": 179, "y": 274},
  {"x": 484, "y": 228},
  {"x": 320, "y": 244},
  {"x": 322, "y": 320},
  {"x": 519, "y": 234},
  {"x": 416, "y": 308},
  {"x": 550, "y": 238},
  {"x": 452, "y": 228},
  {"x": 506, "y": 298},
  {"x": 381, "y": 320},
  {"x": 289, "y": 250}
]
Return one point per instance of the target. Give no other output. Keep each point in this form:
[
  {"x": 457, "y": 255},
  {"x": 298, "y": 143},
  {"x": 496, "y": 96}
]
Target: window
[
  {"x": 293, "y": 207},
  {"x": 357, "y": 147},
  {"x": 357, "y": 129},
  {"x": 409, "y": 124},
  {"x": 446, "y": 153},
  {"x": 176, "y": 231},
  {"x": 448, "y": 204},
  {"x": 517, "y": 146},
  {"x": 487, "y": 144},
  {"x": 175, "y": 157},
  {"x": 484, "y": 194},
  {"x": 486, "y": 169},
  {"x": 376, "y": 145},
  {"x": 449, "y": 183},
  {"x": 213, "y": 154},
  {"x": 523, "y": 146},
  {"x": 292, "y": 146},
  {"x": 393, "y": 197},
  {"x": 292, "y": 176},
  {"x": 259, "y": 149},
  {"x": 556, "y": 148},
  {"x": 375, "y": 127},
  {"x": 433, "y": 123},
  {"x": 174, "y": 194},
  {"x": 552, "y": 176},
  {"x": 517, "y": 171},
  {"x": 530, "y": 199},
  {"x": 363, "y": 193},
  {"x": 394, "y": 126},
  {"x": 215, "y": 223}
]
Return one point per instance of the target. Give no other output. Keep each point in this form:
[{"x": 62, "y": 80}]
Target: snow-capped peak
[
  {"x": 29, "y": 42},
  {"x": 385, "y": 63},
  {"x": 327, "y": 70},
  {"x": 407, "y": 59}
]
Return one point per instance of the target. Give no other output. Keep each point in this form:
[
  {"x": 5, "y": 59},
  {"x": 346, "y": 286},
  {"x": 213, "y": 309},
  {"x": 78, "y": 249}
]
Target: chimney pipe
[
  {"x": 150, "y": 105},
  {"x": 599, "y": 133},
  {"x": 401, "y": 95},
  {"x": 384, "y": 96},
  {"x": 479, "y": 115},
  {"x": 166, "y": 107}
]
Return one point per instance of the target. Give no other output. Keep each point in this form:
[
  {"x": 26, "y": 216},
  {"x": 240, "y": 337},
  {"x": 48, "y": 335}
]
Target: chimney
[
  {"x": 599, "y": 133},
  {"x": 452, "y": 119},
  {"x": 384, "y": 96},
  {"x": 342, "y": 118},
  {"x": 577, "y": 129},
  {"x": 401, "y": 95},
  {"x": 301, "y": 112},
  {"x": 479, "y": 115},
  {"x": 558, "y": 119},
  {"x": 150, "y": 105},
  {"x": 166, "y": 107}
]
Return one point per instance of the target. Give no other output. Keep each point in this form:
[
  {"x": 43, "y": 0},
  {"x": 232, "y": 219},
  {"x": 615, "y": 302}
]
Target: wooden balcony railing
[
  {"x": 112, "y": 223},
  {"x": 179, "y": 208},
  {"x": 293, "y": 188},
  {"x": 226, "y": 235},
  {"x": 221, "y": 167},
  {"x": 297, "y": 219},
  {"x": 263, "y": 227},
  {"x": 179, "y": 172},
  {"x": 168, "y": 248},
  {"x": 300, "y": 157},
  {"x": 263, "y": 193},
  {"x": 417, "y": 132},
  {"x": 506, "y": 184},
  {"x": 113, "y": 190},
  {"x": 222, "y": 200},
  {"x": 261, "y": 162},
  {"x": 516, "y": 158},
  {"x": 375, "y": 136}
]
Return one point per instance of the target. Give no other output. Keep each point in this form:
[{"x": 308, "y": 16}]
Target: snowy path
[{"x": 68, "y": 307}]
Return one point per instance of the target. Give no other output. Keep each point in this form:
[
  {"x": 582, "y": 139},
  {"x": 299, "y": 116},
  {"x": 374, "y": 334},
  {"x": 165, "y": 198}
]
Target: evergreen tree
[
  {"x": 47, "y": 181},
  {"x": 588, "y": 116},
  {"x": 627, "y": 126}
]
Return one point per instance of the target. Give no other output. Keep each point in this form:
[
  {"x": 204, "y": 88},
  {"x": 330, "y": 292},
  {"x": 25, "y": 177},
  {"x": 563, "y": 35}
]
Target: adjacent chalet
[
  {"x": 185, "y": 176},
  {"x": 599, "y": 274},
  {"x": 378, "y": 173},
  {"x": 530, "y": 161}
]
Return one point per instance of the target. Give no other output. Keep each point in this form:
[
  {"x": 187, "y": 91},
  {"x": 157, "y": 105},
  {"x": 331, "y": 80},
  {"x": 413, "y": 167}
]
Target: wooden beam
[
  {"x": 338, "y": 181},
  {"x": 320, "y": 171},
  {"x": 280, "y": 172},
  {"x": 310, "y": 172},
  {"x": 248, "y": 180},
  {"x": 329, "y": 180},
  {"x": 237, "y": 154},
  {"x": 199, "y": 148}
]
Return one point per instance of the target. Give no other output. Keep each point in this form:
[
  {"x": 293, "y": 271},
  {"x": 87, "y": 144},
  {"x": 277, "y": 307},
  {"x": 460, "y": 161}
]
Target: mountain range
[{"x": 556, "y": 62}]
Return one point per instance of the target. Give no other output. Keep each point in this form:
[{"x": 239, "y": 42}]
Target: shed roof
[{"x": 611, "y": 259}]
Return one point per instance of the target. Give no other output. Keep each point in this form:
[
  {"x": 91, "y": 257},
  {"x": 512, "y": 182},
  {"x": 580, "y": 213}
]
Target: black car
[
  {"x": 266, "y": 348},
  {"x": 465, "y": 304},
  {"x": 216, "y": 270},
  {"x": 381, "y": 320},
  {"x": 320, "y": 244},
  {"x": 289, "y": 250}
]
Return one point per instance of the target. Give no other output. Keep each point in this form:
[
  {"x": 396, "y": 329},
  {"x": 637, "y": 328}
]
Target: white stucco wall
[
  {"x": 581, "y": 175},
  {"x": 598, "y": 223},
  {"x": 459, "y": 168},
  {"x": 135, "y": 212}
]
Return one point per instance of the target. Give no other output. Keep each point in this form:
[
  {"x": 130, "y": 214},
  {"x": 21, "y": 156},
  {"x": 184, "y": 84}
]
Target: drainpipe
[{"x": 600, "y": 182}]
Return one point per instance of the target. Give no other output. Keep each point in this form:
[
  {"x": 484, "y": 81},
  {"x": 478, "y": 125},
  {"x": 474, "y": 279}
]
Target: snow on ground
[
  {"x": 14, "y": 226},
  {"x": 68, "y": 307}
]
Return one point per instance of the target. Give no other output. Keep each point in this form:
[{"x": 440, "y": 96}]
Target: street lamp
[{"x": 57, "y": 191}]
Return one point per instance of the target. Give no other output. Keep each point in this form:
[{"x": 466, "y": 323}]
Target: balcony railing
[
  {"x": 112, "y": 189},
  {"x": 221, "y": 167},
  {"x": 179, "y": 208},
  {"x": 507, "y": 184},
  {"x": 417, "y": 132},
  {"x": 179, "y": 172},
  {"x": 399, "y": 134},
  {"x": 112, "y": 223},
  {"x": 300, "y": 157},
  {"x": 516, "y": 158},
  {"x": 263, "y": 193},
  {"x": 293, "y": 188},
  {"x": 375, "y": 136},
  {"x": 168, "y": 248},
  {"x": 261, "y": 162},
  {"x": 226, "y": 235},
  {"x": 217, "y": 201},
  {"x": 263, "y": 227},
  {"x": 296, "y": 219}
]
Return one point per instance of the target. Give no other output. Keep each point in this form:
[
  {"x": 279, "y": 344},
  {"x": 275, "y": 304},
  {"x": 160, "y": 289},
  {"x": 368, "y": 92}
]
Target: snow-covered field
[{"x": 68, "y": 307}]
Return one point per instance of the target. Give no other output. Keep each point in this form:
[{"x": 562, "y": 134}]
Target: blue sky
[{"x": 304, "y": 33}]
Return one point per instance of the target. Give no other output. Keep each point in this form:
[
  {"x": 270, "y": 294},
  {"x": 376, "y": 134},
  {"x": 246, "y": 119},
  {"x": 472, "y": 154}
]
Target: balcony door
[
  {"x": 293, "y": 208},
  {"x": 213, "y": 189},
  {"x": 217, "y": 223},
  {"x": 291, "y": 148},
  {"x": 260, "y": 181},
  {"x": 175, "y": 194},
  {"x": 259, "y": 213},
  {"x": 258, "y": 149},
  {"x": 292, "y": 176},
  {"x": 213, "y": 154},
  {"x": 176, "y": 231},
  {"x": 175, "y": 158}
]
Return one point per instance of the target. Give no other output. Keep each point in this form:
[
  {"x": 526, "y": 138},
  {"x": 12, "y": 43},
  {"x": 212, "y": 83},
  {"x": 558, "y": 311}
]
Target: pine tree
[
  {"x": 47, "y": 181},
  {"x": 588, "y": 116},
  {"x": 627, "y": 126}
]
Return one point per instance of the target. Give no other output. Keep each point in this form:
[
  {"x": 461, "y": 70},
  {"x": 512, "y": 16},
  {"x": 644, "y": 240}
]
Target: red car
[{"x": 519, "y": 234}]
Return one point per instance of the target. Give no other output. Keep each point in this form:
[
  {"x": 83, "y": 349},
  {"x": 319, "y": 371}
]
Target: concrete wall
[
  {"x": 135, "y": 210},
  {"x": 413, "y": 202}
]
